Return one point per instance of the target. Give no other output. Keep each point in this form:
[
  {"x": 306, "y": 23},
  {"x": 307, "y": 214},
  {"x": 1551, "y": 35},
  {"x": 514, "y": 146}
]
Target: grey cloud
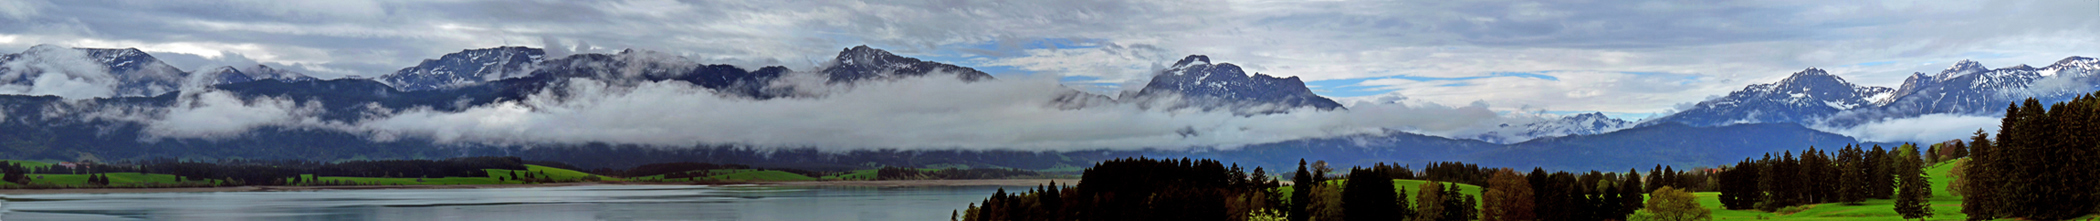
[
  {"x": 22, "y": 9},
  {"x": 926, "y": 112}
]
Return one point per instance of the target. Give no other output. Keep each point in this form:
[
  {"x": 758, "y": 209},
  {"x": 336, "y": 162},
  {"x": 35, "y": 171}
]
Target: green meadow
[{"x": 747, "y": 175}]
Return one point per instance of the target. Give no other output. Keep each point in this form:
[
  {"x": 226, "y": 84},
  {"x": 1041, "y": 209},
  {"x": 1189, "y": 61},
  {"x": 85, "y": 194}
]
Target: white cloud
[
  {"x": 1931, "y": 128},
  {"x": 53, "y": 70},
  {"x": 928, "y": 112},
  {"x": 220, "y": 115}
]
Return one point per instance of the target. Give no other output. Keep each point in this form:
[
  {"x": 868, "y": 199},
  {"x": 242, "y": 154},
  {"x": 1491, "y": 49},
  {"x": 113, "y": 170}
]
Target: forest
[{"x": 2038, "y": 167}]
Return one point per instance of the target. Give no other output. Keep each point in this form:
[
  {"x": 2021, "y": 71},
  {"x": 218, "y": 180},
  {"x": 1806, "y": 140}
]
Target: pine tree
[
  {"x": 1301, "y": 187},
  {"x": 1654, "y": 179},
  {"x": 1768, "y": 184},
  {"x": 1367, "y": 195},
  {"x": 1429, "y": 201},
  {"x": 1612, "y": 204},
  {"x": 1851, "y": 184},
  {"x": 1961, "y": 150},
  {"x": 1630, "y": 197},
  {"x": 1979, "y": 195},
  {"x": 1542, "y": 196},
  {"x": 1914, "y": 197},
  {"x": 1932, "y": 155},
  {"x": 1880, "y": 182}
]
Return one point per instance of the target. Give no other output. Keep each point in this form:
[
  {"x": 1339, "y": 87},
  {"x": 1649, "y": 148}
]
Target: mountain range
[
  {"x": 1814, "y": 97},
  {"x": 1760, "y": 118}
]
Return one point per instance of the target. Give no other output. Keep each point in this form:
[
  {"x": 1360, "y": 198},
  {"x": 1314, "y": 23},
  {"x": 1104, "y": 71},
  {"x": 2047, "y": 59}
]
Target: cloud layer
[
  {"x": 1931, "y": 128},
  {"x": 910, "y": 113}
]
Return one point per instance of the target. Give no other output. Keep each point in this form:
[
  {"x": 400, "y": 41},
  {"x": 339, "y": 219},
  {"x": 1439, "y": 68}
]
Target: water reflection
[{"x": 610, "y": 202}]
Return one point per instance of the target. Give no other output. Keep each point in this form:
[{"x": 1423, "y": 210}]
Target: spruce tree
[
  {"x": 1301, "y": 191},
  {"x": 1880, "y": 182},
  {"x": 1851, "y": 184},
  {"x": 1630, "y": 198},
  {"x": 1541, "y": 192},
  {"x": 1367, "y": 195},
  {"x": 1654, "y": 179},
  {"x": 1768, "y": 184},
  {"x": 1913, "y": 200},
  {"x": 1932, "y": 155},
  {"x": 1612, "y": 204},
  {"x": 1979, "y": 195}
]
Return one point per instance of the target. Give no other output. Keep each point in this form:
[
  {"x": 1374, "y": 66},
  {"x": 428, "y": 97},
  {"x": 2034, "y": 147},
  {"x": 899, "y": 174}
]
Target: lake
[{"x": 598, "y": 202}]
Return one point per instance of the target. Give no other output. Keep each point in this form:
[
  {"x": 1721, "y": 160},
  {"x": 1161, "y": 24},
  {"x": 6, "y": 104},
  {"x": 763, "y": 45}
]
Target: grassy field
[
  {"x": 114, "y": 179},
  {"x": 26, "y": 163},
  {"x": 748, "y": 175},
  {"x": 496, "y": 176},
  {"x": 855, "y": 175},
  {"x": 1945, "y": 205}
]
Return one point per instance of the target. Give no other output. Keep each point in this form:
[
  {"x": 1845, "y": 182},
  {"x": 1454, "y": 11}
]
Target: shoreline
[{"x": 853, "y": 183}]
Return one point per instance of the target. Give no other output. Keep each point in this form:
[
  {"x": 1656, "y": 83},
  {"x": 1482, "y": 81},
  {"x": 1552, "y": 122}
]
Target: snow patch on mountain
[
  {"x": 1194, "y": 83},
  {"x": 466, "y": 67},
  {"x": 1578, "y": 124},
  {"x": 81, "y": 73}
]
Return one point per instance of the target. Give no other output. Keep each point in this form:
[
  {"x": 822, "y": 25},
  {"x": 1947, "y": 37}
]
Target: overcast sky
[{"x": 1625, "y": 58}]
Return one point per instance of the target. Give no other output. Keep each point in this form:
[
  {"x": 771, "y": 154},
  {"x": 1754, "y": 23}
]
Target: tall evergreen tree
[
  {"x": 1880, "y": 182},
  {"x": 1914, "y": 198},
  {"x": 1655, "y": 179},
  {"x": 1932, "y": 154},
  {"x": 1429, "y": 201},
  {"x": 1852, "y": 183},
  {"x": 1301, "y": 188},
  {"x": 1613, "y": 202},
  {"x": 1768, "y": 184},
  {"x": 1630, "y": 195},
  {"x": 1541, "y": 196},
  {"x": 1979, "y": 194},
  {"x": 1368, "y": 195}
]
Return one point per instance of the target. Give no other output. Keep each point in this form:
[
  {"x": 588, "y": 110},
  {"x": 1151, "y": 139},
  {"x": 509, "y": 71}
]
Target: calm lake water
[{"x": 609, "y": 202}]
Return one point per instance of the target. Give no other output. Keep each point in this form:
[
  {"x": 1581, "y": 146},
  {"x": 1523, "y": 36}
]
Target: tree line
[
  {"x": 1851, "y": 176},
  {"x": 1184, "y": 189},
  {"x": 1138, "y": 189},
  {"x": 2040, "y": 166}
]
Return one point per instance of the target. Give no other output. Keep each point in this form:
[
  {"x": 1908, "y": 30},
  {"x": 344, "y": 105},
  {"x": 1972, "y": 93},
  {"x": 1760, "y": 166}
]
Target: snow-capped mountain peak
[
  {"x": 467, "y": 67},
  {"x": 1963, "y": 67},
  {"x": 1192, "y": 60},
  {"x": 1578, "y": 124},
  {"x": 1808, "y": 94},
  {"x": 863, "y": 62},
  {"x": 1195, "y": 82},
  {"x": 2077, "y": 62},
  {"x": 230, "y": 74},
  {"x": 124, "y": 72},
  {"x": 1967, "y": 87}
]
